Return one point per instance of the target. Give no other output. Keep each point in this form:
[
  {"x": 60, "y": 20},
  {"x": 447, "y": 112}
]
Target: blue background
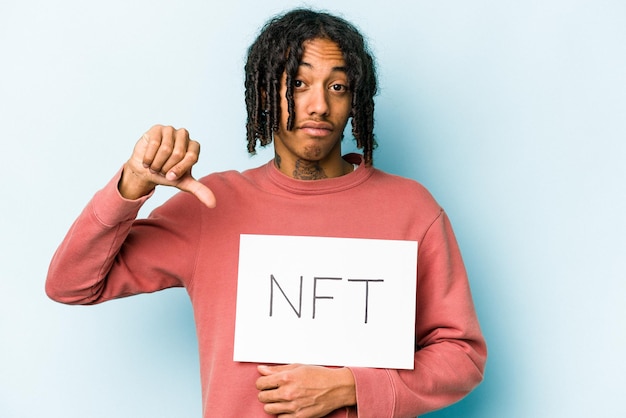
[{"x": 511, "y": 113}]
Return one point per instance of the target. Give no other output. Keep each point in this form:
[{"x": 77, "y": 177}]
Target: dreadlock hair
[{"x": 278, "y": 49}]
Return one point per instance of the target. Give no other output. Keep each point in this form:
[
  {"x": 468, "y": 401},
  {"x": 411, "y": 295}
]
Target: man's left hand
[{"x": 302, "y": 391}]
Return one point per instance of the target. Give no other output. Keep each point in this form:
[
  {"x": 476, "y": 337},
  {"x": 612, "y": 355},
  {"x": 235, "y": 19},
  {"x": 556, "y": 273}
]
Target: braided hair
[{"x": 279, "y": 48}]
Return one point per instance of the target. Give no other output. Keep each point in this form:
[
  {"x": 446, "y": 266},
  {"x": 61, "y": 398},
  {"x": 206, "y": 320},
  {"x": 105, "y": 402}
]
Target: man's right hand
[{"x": 164, "y": 156}]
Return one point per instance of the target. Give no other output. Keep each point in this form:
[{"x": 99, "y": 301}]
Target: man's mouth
[{"x": 316, "y": 128}]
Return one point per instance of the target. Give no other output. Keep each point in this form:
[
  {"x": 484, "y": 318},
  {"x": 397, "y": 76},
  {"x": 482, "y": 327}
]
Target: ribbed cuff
[
  {"x": 375, "y": 396},
  {"x": 111, "y": 208}
]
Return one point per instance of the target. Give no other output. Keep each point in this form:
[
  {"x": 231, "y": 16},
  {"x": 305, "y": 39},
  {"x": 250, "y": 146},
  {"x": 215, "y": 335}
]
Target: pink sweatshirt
[{"x": 108, "y": 254}]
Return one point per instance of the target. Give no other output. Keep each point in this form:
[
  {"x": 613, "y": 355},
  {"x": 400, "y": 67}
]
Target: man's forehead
[{"x": 322, "y": 50}]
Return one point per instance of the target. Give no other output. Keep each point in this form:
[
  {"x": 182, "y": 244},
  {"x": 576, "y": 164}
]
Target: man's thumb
[{"x": 199, "y": 190}]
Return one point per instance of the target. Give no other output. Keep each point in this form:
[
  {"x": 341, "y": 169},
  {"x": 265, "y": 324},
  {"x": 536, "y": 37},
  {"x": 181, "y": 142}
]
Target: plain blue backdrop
[{"x": 511, "y": 113}]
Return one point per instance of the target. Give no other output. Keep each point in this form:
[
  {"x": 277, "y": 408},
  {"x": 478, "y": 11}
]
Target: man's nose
[{"x": 317, "y": 103}]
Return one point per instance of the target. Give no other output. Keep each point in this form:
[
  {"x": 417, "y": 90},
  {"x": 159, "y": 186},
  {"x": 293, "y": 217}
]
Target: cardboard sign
[{"x": 326, "y": 301}]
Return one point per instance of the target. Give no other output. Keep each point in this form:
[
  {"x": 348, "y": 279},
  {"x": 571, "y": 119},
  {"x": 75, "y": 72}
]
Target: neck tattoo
[{"x": 307, "y": 170}]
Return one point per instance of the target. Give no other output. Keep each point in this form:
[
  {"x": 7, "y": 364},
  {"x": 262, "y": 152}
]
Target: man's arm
[
  {"x": 79, "y": 270},
  {"x": 450, "y": 354}
]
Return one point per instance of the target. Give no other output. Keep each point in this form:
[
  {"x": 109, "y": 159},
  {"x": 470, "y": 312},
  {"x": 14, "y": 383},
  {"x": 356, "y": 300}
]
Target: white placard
[{"x": 326, "y": 301}]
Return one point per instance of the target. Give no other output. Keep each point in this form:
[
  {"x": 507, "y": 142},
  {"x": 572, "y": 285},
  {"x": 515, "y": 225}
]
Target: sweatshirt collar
[{"x": 323, "y": 186}]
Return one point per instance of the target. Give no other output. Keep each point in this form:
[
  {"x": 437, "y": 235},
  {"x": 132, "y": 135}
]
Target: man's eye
[
  {"x": 338, "y": 87},
  {"x": 298, "y": 83}
]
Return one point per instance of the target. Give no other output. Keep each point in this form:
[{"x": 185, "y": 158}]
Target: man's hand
[
  {"x": 163, "y": 155},
  {"x": 305, "y": 391}
]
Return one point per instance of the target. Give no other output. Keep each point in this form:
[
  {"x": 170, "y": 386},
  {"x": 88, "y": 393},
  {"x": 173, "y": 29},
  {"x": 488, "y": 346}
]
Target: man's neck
[{"x": 312, "y": 170}]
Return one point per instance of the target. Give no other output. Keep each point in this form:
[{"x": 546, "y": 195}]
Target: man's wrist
[
  {"x": 131, "y": 186},
  {"x": 346, "y": 379}
]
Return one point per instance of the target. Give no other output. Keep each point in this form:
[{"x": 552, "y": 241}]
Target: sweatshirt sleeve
[
  {"x": 450, "y": 351},
  {"x": 107, "y": 254}
]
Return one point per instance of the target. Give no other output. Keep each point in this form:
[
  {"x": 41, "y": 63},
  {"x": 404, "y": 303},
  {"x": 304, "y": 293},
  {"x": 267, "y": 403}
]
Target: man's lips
[{"x": 316, "y": 128}]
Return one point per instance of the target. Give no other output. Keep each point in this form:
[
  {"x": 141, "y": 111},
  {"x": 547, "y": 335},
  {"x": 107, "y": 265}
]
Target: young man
[{"x": 307, "y": 74}]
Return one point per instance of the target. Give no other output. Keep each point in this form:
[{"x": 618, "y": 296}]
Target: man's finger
[
  {"x": 149, "y": 145},
  {"x": 266, "y": 370},
  {"x": 183, "y": 165}
]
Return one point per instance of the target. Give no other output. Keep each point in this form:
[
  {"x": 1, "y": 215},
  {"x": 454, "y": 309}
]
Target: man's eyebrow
[{"x": 342, "y": 68}]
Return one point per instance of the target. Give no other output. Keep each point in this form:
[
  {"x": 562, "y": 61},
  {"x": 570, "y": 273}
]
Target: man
[{"x": 307, "y": 74}]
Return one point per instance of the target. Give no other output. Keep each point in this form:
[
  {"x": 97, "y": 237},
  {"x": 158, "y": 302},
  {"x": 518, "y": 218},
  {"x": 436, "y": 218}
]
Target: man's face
[{"x": 322, "y": 102}]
